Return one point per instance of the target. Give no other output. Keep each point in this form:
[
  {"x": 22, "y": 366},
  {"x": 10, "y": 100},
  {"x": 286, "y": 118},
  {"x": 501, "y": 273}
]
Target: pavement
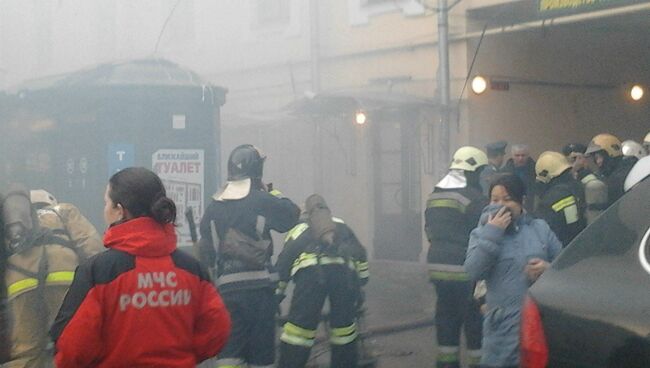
[
  {"x": 398, "y": 322},
  {"x": 400, "y": 304}
]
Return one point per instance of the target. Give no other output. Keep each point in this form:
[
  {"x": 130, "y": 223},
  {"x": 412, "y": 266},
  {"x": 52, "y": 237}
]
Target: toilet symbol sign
[{"x": 120, "y": 156}]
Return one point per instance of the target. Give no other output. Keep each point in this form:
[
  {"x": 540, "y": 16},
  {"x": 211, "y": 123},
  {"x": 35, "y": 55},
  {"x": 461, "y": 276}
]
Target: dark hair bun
[{"x": 163, "y": 210}]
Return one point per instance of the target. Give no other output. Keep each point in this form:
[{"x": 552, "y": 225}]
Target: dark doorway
[{"x": 398, "y": 224}]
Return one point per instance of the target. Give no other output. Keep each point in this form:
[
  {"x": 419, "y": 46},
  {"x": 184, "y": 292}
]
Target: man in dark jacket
[
  {"x": 496, "y": 153},
  {"x": 325, "y": 260},
  {"x": 561, "y": 198},
  {"x": 613, "y": 167},
  {"x": 522, "y": 165},
  {"x": 453, "y": 210},
  {"x": 236, "y": 230}
]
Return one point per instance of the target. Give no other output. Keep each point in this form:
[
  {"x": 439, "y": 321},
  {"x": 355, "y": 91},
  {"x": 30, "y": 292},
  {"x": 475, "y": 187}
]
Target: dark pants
[
  {"x": 456, "y": 309},
  {"x": 252, "y": 339},
  {"x": 339, "y": 284}
]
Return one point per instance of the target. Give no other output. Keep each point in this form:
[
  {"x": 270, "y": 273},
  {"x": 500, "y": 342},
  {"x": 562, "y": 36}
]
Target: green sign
[{"x": 579, "y": 6}]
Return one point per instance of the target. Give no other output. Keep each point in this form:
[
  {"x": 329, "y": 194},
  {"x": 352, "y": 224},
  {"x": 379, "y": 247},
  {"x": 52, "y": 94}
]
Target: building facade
[{"x": 298, "y": 71}]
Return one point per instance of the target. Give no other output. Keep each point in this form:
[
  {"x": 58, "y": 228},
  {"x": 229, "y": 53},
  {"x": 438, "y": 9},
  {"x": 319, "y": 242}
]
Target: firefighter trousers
[
  {"x": 312, "y": 286},
  {"x": 31, "y": 321},
  {"x": 456, "y": 308},
  {"x": 252, "y": 339}
]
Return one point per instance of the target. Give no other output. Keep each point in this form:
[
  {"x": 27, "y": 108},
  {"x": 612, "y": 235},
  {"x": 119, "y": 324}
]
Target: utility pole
[
  {"x": 314, "y": 51},
  {"x": 443, "y": 87},
  {"x": 314, "y": 45}
]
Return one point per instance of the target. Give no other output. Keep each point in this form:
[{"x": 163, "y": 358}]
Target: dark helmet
[{"x": 245, "y": 161}]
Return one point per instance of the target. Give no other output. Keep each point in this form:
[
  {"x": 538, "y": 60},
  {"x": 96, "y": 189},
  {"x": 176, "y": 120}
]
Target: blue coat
[{"x": 499, "y": 258}]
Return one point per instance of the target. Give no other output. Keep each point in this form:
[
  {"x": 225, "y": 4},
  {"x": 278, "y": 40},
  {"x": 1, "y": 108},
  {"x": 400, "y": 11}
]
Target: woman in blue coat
[{"x": 509, "y": 249}]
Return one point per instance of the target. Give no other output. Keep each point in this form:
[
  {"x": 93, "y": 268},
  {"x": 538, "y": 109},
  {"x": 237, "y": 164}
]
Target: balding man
[{"x": 522, "y": 165}]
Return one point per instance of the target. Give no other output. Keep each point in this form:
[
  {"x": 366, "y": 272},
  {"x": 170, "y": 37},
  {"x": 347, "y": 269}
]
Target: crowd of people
[
  {"x": 134, "y": 299},
  {"x": 495, "y": 226}
]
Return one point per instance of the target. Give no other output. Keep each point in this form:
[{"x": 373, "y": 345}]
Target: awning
[{"x": 332, "y": 103}]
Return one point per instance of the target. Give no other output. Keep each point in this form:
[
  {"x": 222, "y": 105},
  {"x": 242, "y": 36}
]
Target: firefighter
[
  {"x": 5, "y": 343},
  {"x": 235, "y": 232},
  {"x": 325, "y": 260},
  {"x": 594, "y": 188},
  {"x": 632, "y": 148},
  {"x": 613, "y": 167},
  {"x": 561, "y": 197},
  {"x": 453, "y": 210},
  {"x": 45, "y": 250}
]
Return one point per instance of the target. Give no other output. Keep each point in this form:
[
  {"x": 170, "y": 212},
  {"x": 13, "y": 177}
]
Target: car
[{"x": 591, "y": 308}]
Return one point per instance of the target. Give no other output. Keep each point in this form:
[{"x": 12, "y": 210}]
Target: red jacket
[{"x": 142, "y": 303}]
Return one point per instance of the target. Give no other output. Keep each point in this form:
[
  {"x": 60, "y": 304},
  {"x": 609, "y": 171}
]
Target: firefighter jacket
[
  {"x": 615, "y": 174},
  {"x": 450, "y": 216},
  {"x": 302, "y": 250},
  {"x": 65, "y": 238},
  {"x": 5, "y": 344},
  {"x": 141, "y": 303},
  {"x": 562, "y": 206},
  {"x": 595, "y": 194},
  {"x": 252, "y": 217}
]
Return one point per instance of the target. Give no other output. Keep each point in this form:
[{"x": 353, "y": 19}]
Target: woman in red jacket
[{"x": 142, "y": 303}]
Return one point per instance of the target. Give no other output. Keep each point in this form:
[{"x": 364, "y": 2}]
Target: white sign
[
  {"x": 183, "y": 173},
  {"x": 178, "y": 122}
]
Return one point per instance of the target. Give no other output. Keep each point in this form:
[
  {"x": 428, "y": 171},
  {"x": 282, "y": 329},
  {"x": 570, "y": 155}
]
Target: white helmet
[
  {"x": 42, "y": 196},
  {"x": 631, "y": 148},
  {"x": 468, "y": 158}
]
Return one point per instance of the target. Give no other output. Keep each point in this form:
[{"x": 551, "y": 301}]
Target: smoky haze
[
  {"x": 261, "y": 51},
  {"x": 342, "y": 96},
  {"x": 92, "y": 86}
]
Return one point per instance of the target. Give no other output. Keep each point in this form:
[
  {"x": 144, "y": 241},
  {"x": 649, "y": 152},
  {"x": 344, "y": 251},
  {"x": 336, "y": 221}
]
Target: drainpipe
[
  {"x": 314, "y": 45},
  {"x": 443, "y": 87},
  {"x": 314, "y": 50}
]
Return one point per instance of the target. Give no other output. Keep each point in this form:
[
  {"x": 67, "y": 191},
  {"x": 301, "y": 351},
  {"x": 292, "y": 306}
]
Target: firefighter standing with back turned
[
  {"x": 5, "y": 344},
  {"x": 235, "y": 232},
  {"x": 561, "y": 201},
  {"x": 45, "y": 247},
  {"x": 453, "y": 210},
  {"x": 325, "y": 260}
]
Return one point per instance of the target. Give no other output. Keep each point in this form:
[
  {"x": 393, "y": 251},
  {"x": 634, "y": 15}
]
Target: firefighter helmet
[
  {"x": 631, "y": 148},
  {"x": 605, "y": 142},
  {"x": 468, "y": 158},
  {"x": 245, "y": 162},
  {"x": 550, "y": 165},
  {"x": 42, "y": 197}
]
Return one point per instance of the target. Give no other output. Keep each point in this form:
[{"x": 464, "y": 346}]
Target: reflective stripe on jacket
[
  {"x": 301, "y": 251},
  {"x": 450, "y": 216}
]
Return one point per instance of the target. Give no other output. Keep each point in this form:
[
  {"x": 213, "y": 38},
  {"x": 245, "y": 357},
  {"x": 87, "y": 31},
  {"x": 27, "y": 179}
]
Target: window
[
  {"x": 272, "y": 12},
  {"x": 275, "y": 17},
  {"x": 360, "y": 11}
]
